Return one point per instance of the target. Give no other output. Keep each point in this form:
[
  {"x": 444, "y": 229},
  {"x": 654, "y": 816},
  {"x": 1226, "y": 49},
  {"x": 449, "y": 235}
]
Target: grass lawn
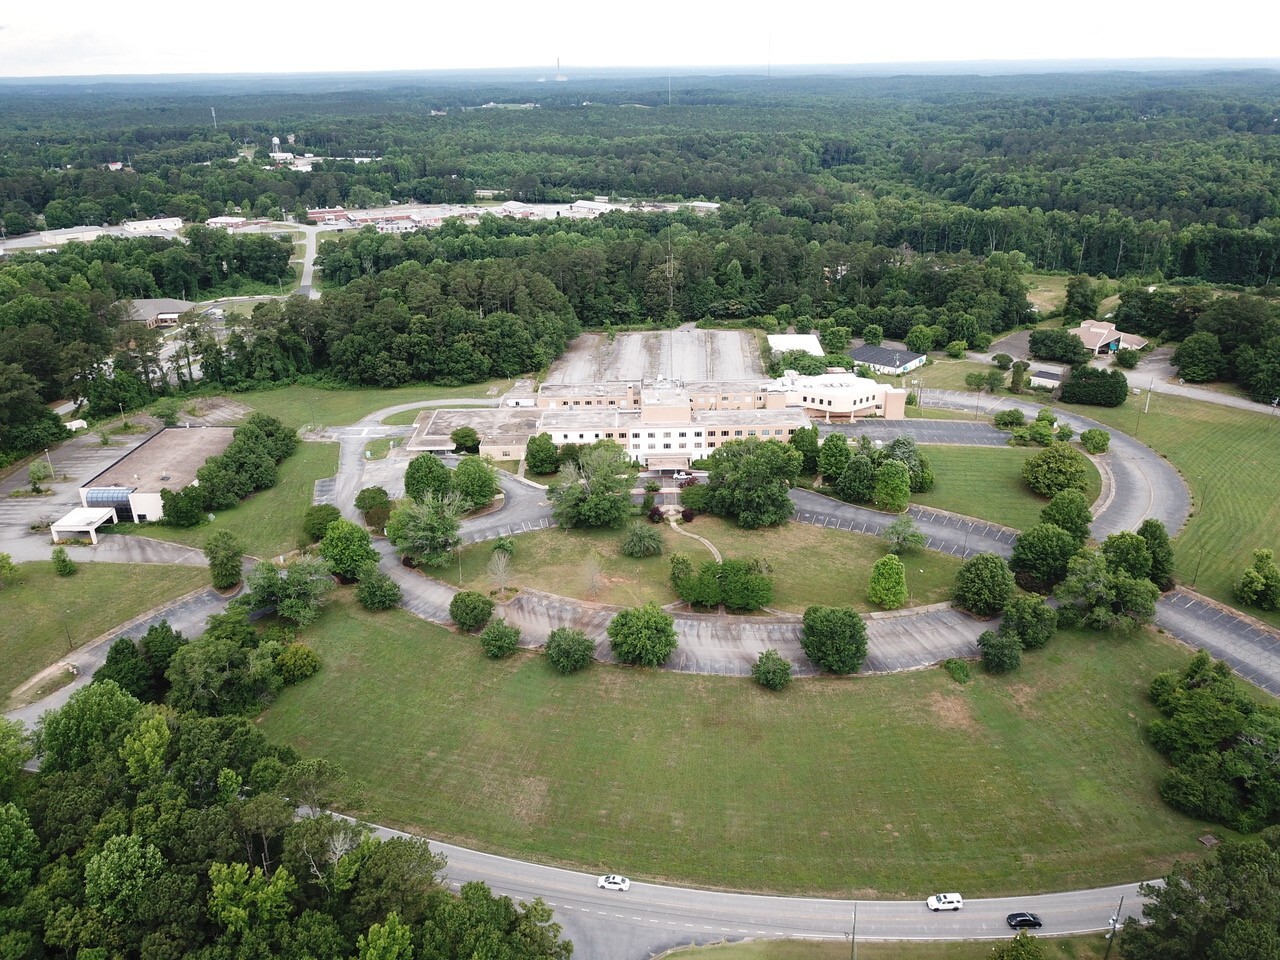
[
  {"x": 378, "y": 449},
  {"x": 268, "y": 523},
  {"x": 42, "y": 610},
  {"x": 408, "y": 417},
  {"x": 987, "y": 482},
  {"x": 821, "y": 566},
  {"x": 1088, "y": 947},
  {"x": 297, "y": 405},
  {"x": 942, "y": 374},
  {"x": 1046, "y": 291},
  {"x": 1228, "y": 457},
  {"x": 890, "y": 786}
]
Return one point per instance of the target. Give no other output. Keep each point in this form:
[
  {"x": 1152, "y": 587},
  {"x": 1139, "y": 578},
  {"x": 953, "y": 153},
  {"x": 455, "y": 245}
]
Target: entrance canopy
[{"x": 82, "y": 520}]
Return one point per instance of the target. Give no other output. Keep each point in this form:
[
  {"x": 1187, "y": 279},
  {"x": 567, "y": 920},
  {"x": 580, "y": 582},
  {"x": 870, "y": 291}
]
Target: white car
[
  {"x": 612, "y": 881},
  {"x": 681, "y": 475},
  {"x": 944, "y": 901}
]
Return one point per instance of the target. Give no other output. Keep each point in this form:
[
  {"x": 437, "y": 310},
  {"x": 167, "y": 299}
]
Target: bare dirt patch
[{"x": 953, "y": 711}]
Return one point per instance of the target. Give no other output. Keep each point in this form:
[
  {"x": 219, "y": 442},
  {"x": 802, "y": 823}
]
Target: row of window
[{"x": 609, "y": 435}]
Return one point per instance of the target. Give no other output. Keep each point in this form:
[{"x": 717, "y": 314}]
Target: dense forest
[{"x": 910, "y": 203}]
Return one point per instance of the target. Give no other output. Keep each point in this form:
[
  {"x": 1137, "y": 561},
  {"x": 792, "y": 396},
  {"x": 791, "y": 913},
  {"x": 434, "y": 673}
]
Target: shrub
[
  {"x": 1069, "y": 510},
  {"x": 376, "y": 590},
  {"x": 687, "y": 515},
  {"x": 427, "y": 475},
  {"x": 317, "y": 519},
  {"x": 656, "y": 515},
  {"x": 643, "y": 636},
  {"x": 63, "y": 565},
  {"x": 975, "y": 381},
  {"x": 1040, "y": 556},
  {"x": 956, "y": 348},
  {"x": 499, "y": 640},
  {"x": 834, "y": 638},
  {"x": 652, "y": 486},
  {"x": 1095, "y": 441},
  {"x": 1100, "y": 388},
  {"x": 225, "y": 557},
  {"x": 569, "y": 650},
  {"x": 1001, "y": 652},
  {"x": 1259, "y": 584},
  {"x": 347, "y": 547},
  {"x": 1054, "y": 469},
  {"x": 892, "y": 489},
  {"x": 374, "y": 503},
  {"x": 1127, "y": 358},
  {"x": 470, "y": 610},
  {"x": 647, "y": 504},
  {"x": 505, "y": 545},
  {"x": 183, "y": 509},
  {"x": 1008, "y": 419},
  {"x": 983, "y": 584},
  {"x": 887, "y": 587},
  {"x": 957, "y": 669},
  {"x": 1064, "y": 432},
  {"x": 641, "y": 541},
  {"x": 1002, "y": 361},
  {"x": 771, "y": 670},
  {"x": 296, "y": 662}
]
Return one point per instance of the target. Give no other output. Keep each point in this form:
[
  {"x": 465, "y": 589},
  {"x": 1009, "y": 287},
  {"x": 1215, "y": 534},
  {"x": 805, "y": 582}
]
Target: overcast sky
[{"x": 83, "y": 37}]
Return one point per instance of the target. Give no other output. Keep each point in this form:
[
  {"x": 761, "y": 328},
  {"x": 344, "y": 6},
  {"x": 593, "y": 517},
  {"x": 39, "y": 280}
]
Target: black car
[{"x": 1021, "y": 921}]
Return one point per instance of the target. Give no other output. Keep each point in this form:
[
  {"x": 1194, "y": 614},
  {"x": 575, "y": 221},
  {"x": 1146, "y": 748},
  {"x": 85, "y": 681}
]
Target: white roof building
[{"x": 786, "y": 342}]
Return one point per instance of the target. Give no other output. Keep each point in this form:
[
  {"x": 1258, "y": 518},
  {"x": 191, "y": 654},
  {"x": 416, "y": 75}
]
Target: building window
[
  {"x": 682, "y": 434},
  {"x": 696, "y": 433},
  {"x": 683, "y": 445},
  {"x": 710, "y": 444},
  {"x": 651, "y": 446},
  {"x": 613, "y": 403},
  {"x": 597, "y": 436},
  {"x": 738, "y": 433},
  {"x": 666, "y": 446},
  {"x": 751, "y": 433},
  {"x": 651, "y": 436},
  {"x": 666, "y": 435},
  {"x": 586, "y": 403},
  {"x": 577, "y": 403}
]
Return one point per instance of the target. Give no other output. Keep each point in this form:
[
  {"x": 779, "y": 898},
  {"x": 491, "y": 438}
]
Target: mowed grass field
[
  {"x": 269, "y": 523},
  {"x": 809, "y": 565},
  {"x": 44, "y": 609},
  {"x": 296, "y": 406},
  {"x": 986, "y": 482},
  {"x": 1089, "y": 947},
  {"x": 1229, "y": 458},
  {"x": 892, "y": 786}
]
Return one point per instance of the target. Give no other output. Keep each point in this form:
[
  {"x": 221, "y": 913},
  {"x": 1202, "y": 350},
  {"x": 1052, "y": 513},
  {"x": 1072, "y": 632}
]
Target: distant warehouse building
[
  {"x": 167, "y": 460},
  {"x": 887, "y": 360}
]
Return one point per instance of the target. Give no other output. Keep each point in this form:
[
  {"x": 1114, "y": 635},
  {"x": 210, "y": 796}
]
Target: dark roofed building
[
  {"x": 159, "y": 312},
  {"x": 887, "y": 360}
]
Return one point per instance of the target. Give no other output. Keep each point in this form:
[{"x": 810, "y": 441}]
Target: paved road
[{"x": 650, "y": 918}]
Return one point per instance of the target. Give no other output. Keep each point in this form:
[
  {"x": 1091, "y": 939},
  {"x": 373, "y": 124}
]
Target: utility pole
[
  {"x": 1115, "y": 929},
  {"x": 853, "y": 937}
]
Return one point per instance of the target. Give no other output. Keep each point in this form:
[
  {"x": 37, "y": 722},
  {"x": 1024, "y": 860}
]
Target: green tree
[
  {"x": 20, "y": 857},
  {"x": 748, "y": 481},
  {"x": 887, "y": 586},
  {"x": 1219, "y": 907},
  {"x": 1021, "y": 947},
  {"x": 15, "y": 750},
  {"x": 120, "y": 879},
  {"x": 348, "y": 548},
  {"x": 8, "y": 570},
  {"x": 873, "y": 335},
  {"x": 984, "y": 584},
  {"x": 297, "y": 593},
  {"x": 63, "y": 565},
  {"x": 376, "y": 590},
  {"x": 427, "y": 476},
  {"x": 126, "y": 666},
  {"x": 499, "y": 640},
  {"x": 771, "y": 670},
  {"x": 1069, "y": 509},
  {"x": 1128, "y": 552},
  {"x": 392, "y": 940},
  {"x": 1001, "y": 652},
  {"x": 743, "y": 585},
  {"x": 1031, "y": 620},
  {"x": 919, "y": 339},
  {"x": 426, "y": 532},
  {"x": 642, "y": 540},
  {"x": 94, "y": 719},
  {"x": 465, "y": 440},
  {"x": 317, "y": 519},
  {"x": 902, "y": 535},
  {"x": 1094, "y": 595},
  {"x": 1259, "y": 585},
  {"x": 1199, "y": 358},
  {"x": 1040, "y": 556},
  {"x": 375, "y": 504},
  {"x": 1055, "y": 469},
  {"x": 569, "y": 650},
  {"x": 476, "y": 481},
  {"x": 540, "y": 454},
  {"x": 297, "y": 662},
  {"x": 834, "y": 638},
  {"x": 833, "y": 457},
  {"x": 1083, "y": 297},
  {"x": 226, "y": 558},
  {"x": 806, "y": 441},
  {"x": 1161, "y": 551},
  {"x": 470, "y": 610},
  {"x": 644, "y": 636},
  {"x": 892, "y": 490},
  {"x": 857, "y": 483},
  {"x": 594, "y": 491}
]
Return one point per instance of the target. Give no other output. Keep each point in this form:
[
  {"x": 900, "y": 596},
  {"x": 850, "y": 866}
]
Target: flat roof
[
  {"x": 169, "y": 459},
  {"x": 884, "y": 356},
  {"x": 85, "y": 518},
  {"x": 786, "y": 342}
]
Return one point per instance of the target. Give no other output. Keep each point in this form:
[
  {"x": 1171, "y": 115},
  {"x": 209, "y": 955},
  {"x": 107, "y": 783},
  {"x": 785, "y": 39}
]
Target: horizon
[{"x": 89, "y": 40}]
